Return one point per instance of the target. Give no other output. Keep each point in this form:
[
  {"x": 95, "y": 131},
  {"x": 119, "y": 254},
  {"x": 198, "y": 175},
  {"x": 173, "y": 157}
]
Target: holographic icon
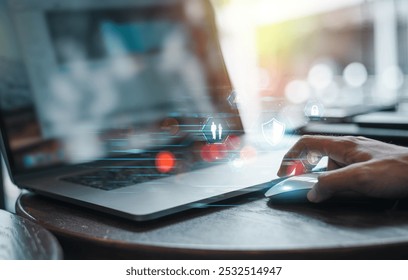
[
  {"x": 314, "y": 112},
  {"x": 313, "y": 157},
  {"x": 215, "y": 131},
  {"x": 314, "y": 109},
  {"x": 273, "y": 131},
  {"x": 219, "y": 131},
  {"x": 233, "y": 99}
]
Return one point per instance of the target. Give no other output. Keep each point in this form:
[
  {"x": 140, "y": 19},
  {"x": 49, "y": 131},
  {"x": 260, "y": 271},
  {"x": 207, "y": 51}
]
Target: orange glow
[
  {"x": 206, "y": 153},
  {"x": 213, "y": 152},
  {"x": 165, "y": 162},
  {"x": 248, "y": 153},
  {"x": 219, "y": 151}
]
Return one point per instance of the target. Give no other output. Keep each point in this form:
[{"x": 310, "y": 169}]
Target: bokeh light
[
  {"x": 170, "y": 125},
  {"x": 205, "y": 153},
  {"x": 355, "y": 74},
  {"x": 213, "y": 152},
  {"x": 392, "y": 78},
  {"x": 320, "y": 76},
  {"x": 165, "y": 162},
  {"x": 297, "y": 91}
]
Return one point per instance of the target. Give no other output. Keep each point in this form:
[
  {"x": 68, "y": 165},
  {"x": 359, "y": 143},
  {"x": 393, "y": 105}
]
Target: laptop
[{"x": 124, "y": 106}]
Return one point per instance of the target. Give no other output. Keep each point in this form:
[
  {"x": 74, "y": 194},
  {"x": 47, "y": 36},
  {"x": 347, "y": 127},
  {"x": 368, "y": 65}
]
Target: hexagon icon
[
  {"x": 233, "y": 99},
  {"x": 216, "y": 131}
]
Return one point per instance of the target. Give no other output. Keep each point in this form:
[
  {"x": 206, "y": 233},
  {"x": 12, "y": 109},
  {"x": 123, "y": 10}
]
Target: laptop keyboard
[{"x": 114, "y": 178}]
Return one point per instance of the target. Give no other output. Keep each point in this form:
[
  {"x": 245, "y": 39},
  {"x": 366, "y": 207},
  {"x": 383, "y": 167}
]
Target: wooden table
[
  {"x": 248, "y": 227},
  {"x": 21, "y": 239}
]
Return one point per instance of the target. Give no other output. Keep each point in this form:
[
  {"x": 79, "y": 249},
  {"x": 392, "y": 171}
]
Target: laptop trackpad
[{"x": 208, "y": 184}]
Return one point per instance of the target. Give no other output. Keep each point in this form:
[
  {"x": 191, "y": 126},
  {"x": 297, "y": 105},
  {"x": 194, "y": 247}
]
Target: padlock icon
[{"x": 314, "y": 112}]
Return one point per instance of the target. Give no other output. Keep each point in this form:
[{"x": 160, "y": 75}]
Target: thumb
[{"x": 355, "y": 177}]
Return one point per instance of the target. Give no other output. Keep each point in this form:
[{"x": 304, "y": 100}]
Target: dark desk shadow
[
  {"x": 352, "y": 212},
  {"x": 49, "y": 208}
]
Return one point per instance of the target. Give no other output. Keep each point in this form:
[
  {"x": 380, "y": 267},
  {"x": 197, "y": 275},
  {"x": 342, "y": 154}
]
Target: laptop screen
[{"x": 82, "y": 81}]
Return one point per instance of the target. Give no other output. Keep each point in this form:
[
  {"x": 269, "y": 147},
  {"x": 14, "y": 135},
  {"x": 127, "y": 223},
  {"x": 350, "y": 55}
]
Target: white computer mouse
[{"x": 293, "y": 189}]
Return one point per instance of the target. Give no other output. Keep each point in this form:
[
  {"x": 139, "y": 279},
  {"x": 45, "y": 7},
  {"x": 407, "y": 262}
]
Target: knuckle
[
  {"x": 349, "y": 141},
  {"x": 349, "y": 145},
  {"x": 361, "y": 138},
  {"x": 354, "y": 149}
]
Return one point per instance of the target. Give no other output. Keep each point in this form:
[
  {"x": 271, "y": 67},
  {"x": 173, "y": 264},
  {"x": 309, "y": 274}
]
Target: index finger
[{"x": 333, "y": 147}]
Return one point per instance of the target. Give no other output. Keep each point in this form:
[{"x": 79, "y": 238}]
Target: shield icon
[{"x": 273, "y": 131}]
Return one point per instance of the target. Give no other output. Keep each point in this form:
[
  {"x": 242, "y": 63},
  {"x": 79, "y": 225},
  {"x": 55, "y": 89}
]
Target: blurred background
[
  {"x": 293, "y": 55},
  {"x": 311, "y": 60}
]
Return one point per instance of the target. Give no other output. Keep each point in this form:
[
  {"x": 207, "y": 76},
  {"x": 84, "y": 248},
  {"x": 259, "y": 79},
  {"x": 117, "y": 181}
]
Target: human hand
[{"x": 365, "y": 166}]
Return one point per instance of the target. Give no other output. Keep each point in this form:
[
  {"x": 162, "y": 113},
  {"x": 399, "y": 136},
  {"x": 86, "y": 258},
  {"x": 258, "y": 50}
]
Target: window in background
[{"x": 286, "y": 54}]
